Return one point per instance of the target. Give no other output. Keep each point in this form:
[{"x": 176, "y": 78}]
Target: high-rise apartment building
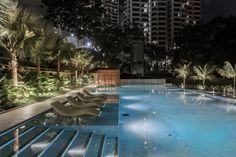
[
  {"x": 180, "y": 14},
  {"x": 112, "y": 9},
  {"x": 138, "y": 13},
  {"x": 161, "y": 20}
]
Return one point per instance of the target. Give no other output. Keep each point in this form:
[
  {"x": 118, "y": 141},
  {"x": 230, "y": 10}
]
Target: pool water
[
  {"x": 149, "y": 121},
  {"x": 166, "y": 122},
  {"x": 50, "y": 135}
]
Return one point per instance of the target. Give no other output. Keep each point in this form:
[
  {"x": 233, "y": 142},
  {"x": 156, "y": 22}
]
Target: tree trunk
[
  {"x": 13, "y": 66},
  {"x": 58, "y": 67},
  {"x": 234, "y": 87},
  {"x": 203, "y": 84},
  {"x": 184, "y": 82},
  {"x": 82, "y": 72},
  {"x": 76, "y": 74},
  {"x": 38, "y": 67}
]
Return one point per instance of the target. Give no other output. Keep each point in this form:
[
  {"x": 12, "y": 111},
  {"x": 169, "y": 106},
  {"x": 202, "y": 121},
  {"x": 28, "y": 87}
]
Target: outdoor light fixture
[{"x": 88, "y": 44}]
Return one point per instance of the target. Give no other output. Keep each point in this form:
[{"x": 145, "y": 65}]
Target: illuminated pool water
[
  {"x": 150, "y": 121},
  {"x": 163, "y": 122}
]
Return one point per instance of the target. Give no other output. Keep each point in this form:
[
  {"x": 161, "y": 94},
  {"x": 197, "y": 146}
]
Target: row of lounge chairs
[{"x": 84, "y": 104}]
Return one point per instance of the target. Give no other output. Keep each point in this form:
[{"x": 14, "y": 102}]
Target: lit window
[
  {"x": 145, "y": 10},
  {"x": 145, "y": 29}
]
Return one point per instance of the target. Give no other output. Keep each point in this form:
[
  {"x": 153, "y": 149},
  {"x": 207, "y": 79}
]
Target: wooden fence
[{"x": 107, "y": 77}]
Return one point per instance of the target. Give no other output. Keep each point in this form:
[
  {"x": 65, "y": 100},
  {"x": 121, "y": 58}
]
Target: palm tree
[
  {"x": 183, "y": 72},
  {"x": 229, "y": 71},
  {"x": 81, "y": 60},
  {"x": 61, "y": 51},
  {"x": 42, "y": 46},
  {"x": 76, "y": 61},
  {"x": 85, "y": 62},
  {"x": 17, "y": 32},
  {"x": 203, "y": 73}
]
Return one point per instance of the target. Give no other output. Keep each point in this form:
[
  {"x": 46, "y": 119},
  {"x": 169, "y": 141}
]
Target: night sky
[
  {"x": 213, "y": 8},
  {"x": 210, "y": 8}
]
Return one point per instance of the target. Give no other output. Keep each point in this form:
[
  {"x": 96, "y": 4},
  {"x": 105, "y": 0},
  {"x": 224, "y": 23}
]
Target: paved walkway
[{"x": 19, "y": 115}]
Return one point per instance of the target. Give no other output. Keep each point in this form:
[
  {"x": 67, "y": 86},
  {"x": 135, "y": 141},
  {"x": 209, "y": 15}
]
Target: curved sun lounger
[
  {"x": 80, "y": 104},
  {"x": 86, "y": 99},
  {"x": 61, "y": 109},
  {"x": 88, "y": 94}
]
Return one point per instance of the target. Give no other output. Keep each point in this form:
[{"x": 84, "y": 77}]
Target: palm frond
[
  {"x": 182, "y": 71},
  {"x": 228, "y": 70},
  {"x": 203, "y": 73}
]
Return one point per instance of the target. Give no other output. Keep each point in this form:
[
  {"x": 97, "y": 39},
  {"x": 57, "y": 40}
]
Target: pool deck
[{"x": 19, "y": 115}]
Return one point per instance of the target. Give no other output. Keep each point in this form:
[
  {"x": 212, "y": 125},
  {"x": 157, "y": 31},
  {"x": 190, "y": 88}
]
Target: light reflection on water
[{"x": 171, "y": 123}]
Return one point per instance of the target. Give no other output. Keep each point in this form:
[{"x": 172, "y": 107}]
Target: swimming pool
[
  {"x": 150, "y": 121},
  {"x": 50, "y": 134},
  {"x": 165, "y": 122}
]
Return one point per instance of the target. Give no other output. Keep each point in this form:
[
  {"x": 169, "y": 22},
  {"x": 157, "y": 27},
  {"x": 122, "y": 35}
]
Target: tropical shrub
[
  {"x": 62, "y": 83},
  {"x": 84, "y": 80},
  {"x": 46, "y": 83},
  {"x": 12, "y": 95}
]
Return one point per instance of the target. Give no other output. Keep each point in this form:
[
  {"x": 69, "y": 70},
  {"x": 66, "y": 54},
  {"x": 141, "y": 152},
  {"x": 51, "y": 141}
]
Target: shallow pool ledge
[{"x": 21, "y": 114}]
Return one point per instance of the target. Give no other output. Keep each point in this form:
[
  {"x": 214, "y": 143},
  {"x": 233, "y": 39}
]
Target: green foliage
[
  {"x": 218, "y": 83},
  {"x": 70, "y": 15},
  {"x": 36, "y": 84},
  {"x": 183, "y": 72},
  {"x": 13, "y": 95},
  {"x": 203, "y": 73},
  {"x": 110, "y": 41},
  {"x": 228, "y": 70},
  {"x": 155, "y": 57},
  {"x": 82, "y": 60},
  {"x": 46, "y": 83},
  {"x": 61, "y": 83},
  {"x": 25, "y": 35},
  {"x": 84, "y": 80},
  {"x": 213, "y": 41}
]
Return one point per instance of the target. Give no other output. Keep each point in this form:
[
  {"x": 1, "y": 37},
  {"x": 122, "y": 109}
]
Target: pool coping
[{"x": 218, "y": 97}]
